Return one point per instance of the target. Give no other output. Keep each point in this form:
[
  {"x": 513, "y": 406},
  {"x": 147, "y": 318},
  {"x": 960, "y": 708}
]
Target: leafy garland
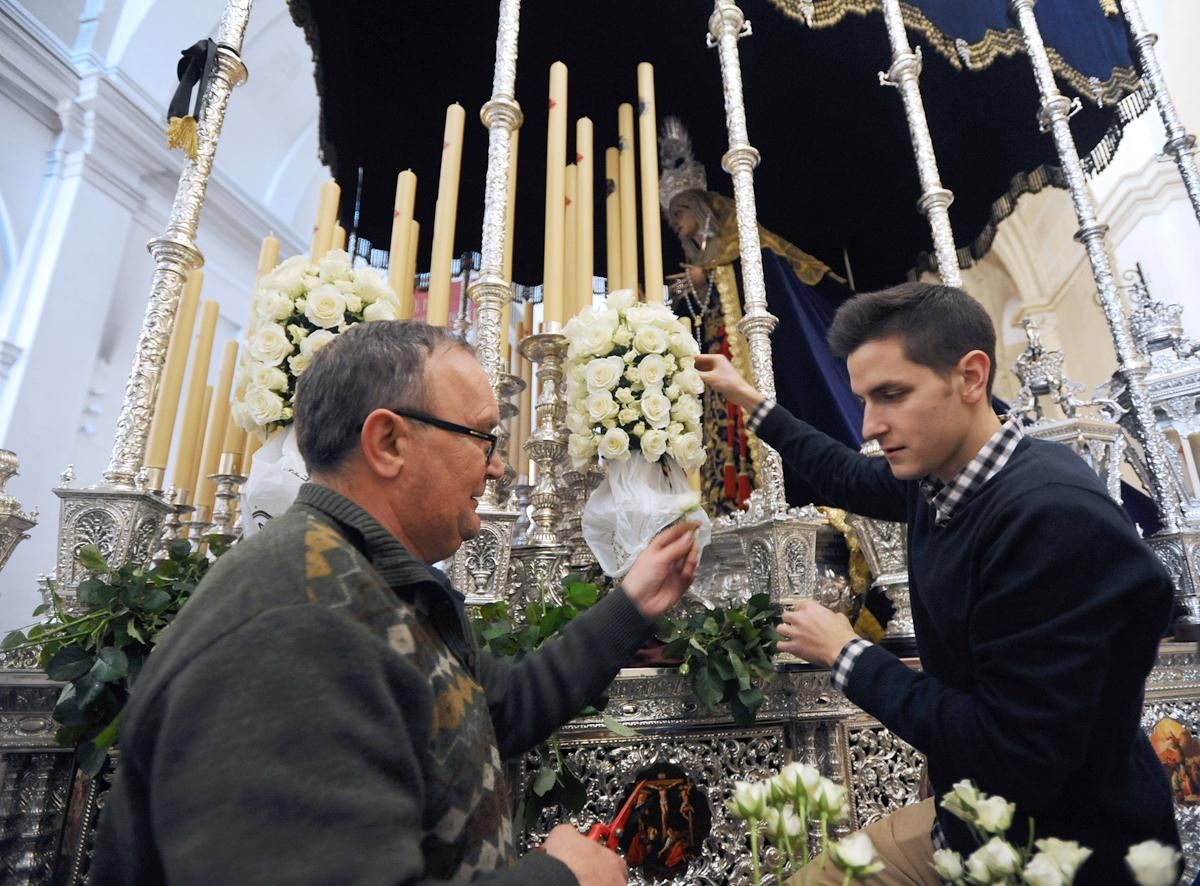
[{"x": 100, "y": 652}]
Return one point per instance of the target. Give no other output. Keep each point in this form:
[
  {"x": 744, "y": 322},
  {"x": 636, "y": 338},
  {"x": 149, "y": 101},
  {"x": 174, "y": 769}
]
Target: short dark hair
[
  {"x": 377, "y": 365},
  {"x": 936, "y": 325}
]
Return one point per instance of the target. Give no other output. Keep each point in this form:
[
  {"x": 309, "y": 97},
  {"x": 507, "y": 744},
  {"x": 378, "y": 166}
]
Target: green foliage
[
  {"x": 726, "y": 654},
  {"x": 100, "y": 652}
]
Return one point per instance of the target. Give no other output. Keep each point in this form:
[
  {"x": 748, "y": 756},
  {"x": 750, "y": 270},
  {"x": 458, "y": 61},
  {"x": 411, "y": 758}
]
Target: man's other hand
[
  {"x": 664, "y": 570},
  {"x": 718, "y": 373},
  {"x": 591, "y": 863}
]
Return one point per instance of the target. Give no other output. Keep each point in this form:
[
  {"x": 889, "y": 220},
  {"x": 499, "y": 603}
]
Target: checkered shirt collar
[{"x": 945, "y": 498}]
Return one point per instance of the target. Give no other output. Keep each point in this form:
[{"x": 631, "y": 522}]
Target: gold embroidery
[{"x": 731, "y": 310}]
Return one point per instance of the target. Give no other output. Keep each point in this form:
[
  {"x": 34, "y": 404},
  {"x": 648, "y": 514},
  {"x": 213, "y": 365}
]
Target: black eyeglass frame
[{"x": 491, "y": 439}]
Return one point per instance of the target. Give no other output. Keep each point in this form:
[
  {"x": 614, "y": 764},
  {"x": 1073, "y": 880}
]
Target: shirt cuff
[
  {"x": 761, "y": 411},
  {"x": 844, "y": 663}
]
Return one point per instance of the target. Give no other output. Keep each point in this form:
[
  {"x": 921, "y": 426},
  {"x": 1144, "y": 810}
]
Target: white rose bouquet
[
  {"x": 633, "y": 399},
  {"x": 299, "y": 307}
]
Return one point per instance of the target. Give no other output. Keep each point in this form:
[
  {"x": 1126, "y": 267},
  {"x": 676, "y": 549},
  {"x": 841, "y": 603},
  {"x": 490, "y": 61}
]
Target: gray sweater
[{"x": 319, "y": 713}]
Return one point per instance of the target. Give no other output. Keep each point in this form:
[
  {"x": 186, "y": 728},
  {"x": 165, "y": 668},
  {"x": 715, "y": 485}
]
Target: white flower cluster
[
  {"x": 632, "y": 384},
  {"x": 299, "y": 308}
]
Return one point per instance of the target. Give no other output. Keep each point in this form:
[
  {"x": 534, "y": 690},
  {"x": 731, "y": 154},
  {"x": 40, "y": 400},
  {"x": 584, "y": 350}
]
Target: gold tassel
[
  {"x": 181, "y": 133},
  {"x": 1109, "y": 7},
  {"x": 868, "y": 627}
]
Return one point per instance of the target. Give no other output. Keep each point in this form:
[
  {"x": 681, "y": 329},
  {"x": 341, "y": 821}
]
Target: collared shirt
[{"x": 945, "y": 498}]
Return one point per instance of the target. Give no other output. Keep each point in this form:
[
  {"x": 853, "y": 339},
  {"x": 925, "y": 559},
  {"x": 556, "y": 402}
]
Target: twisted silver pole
[
  {"x": 726, "y": 26},
  {"x": 1180, "y": 144},
  {"x": 904, "y": 75},
  {"x": 175, "y": 254},
  {"x": 1131, "y": 368}
]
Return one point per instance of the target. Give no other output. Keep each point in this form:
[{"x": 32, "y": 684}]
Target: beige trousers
[{"x": 903, "y": 843}]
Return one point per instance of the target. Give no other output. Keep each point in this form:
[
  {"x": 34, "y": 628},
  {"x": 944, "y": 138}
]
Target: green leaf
[
  {"x": 739, "y": 668},
  {"x": 110, "y": 665},
  {"x": 179, "y": 550},
  {"x": 546, "y": 779},
  {"x": 157, "y": 601},
  {"x": 106, "y": 736},
  {"x": 708, "y": 686},
  {"x": 68, "y": 663},
  {"x": 616, "y": 727},
  {"x": 493, "y": 631},
  {"x": 134, "y": 631},
  {"x": 742, "y": 715},
  {"x": 67, "y": 710},
  {"x": 12, "y": 640},
  {"x": 723, "y": 667},
  {"x": 87, "y": 690},
  {"x": 91, "y": 758},
  {"x": 752, "y": 698},
  {"x": 92, "y": 559},
  {"x": 41, "y": 609},
  {"x": 582, "y": 595}
]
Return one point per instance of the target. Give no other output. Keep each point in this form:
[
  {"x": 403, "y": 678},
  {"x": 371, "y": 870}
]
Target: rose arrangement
[
  {"x": 298, "y": 308},
  {"x": 787, "y": 805},
  {"x": 1054, "y": 864},
  {"x": 632, "y": 384}
]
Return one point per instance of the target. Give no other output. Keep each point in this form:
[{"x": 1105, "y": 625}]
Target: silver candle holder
[
  {"x": 579, "y": 482},
  {"x": 548, "y": 445},
  {"x": 228, "y": 480},
  {"x": 507, "y": 387}
]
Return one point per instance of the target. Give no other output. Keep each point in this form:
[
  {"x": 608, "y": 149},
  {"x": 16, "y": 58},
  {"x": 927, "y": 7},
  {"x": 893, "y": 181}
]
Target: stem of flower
[
  {"x": 753, "y": 824},
  {"x": 824, "y": 841},
  {"x": 1029, "y": 843},
  {"x": 802, "y": 811},
  {"x": 846, "y": 879}
]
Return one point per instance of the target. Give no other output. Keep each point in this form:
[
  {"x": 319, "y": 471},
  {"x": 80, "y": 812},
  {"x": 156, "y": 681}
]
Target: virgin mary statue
[{"x": 802, "y": 292}]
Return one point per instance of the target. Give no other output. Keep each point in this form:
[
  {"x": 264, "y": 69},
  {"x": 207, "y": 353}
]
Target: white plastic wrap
[
  {"x": 632, "y": 504},
  {"x": 276, "y": 475}
]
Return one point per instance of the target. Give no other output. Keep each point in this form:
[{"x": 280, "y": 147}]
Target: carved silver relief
[{"x": 885, "y": 771}]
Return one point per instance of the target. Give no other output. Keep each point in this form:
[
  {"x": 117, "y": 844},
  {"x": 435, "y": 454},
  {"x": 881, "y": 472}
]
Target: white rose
[
  {"x": 297, "y": 333},
  {"x": 326, "y": 307},
  {"x": 639, "y": 316},
  {"x": 650, "y": 340},
  {"x": 784, "y": 824},
  {"x": 802, "y": 779},
  {"x": 273, "y": 305},
  {"x": 639, "y": 429},
  {"x": 749, "y": 800},
  {"x": 664, "y": 318},
  {"x": 624, "y": 395},
  {"x": 653, "y": 370},
  {"x": 262, "y": 406},
  {"x": 269, "y": 344},
  {"x": 334, "y": 265},
  {"x": 688, "y": 451},
  {"x": 316, "y": 341},
  {"x": 830, "y": 796},
  {"x": 686, "y": 409},
  {"x": 628, "y": 416},
  {"x": 380, "y": 310},
  {"x": 948, "y": 864},
  {"x": 614, "y": 445},
  {"x": 654, "y": 444},
  {"x": 855, "y": 853},
  {"x": 675, "y": 429},
  {"x": 994, "y": 815},
  {"x": 620, "y": 299},
  {"x": 1067, "y": 854},
  {"x": 577, "y": 423},
  {"x": 656, "y": 407},
  {"x": 576, "y": 391},
  {"x": 686, "y": 363},
  {"x": 961, "y": 800},
  {"x": 581, "y": 447},
  {"x": 683, "y": 345},
  {"x": 1153, "y": 864},
  {"x": 600, "y": 405},
  {"x": 1001, "y": 859},
  {"x": 604, "y": 374},
  {"x": 690, "y": 381},
  {"x": 269, "y": 377},
  {"x": 371, "y": 287},
  {"x": 596, "y": 340},
  {"x": 354, "y": 304},
  {"x": 623, "y": 336},
  {"x": 673, "y": 392},
  {"x": 299, "y": 362},
  {"x": 288, "y": 277},
  {"x": 633, "y": 375},
  {"x": 1042, "y": 871}
]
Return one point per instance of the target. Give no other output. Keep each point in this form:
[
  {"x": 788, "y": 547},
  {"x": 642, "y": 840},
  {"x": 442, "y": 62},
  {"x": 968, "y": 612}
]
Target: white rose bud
[
  {"x": 288, "y": 277},
  {"x": 687, "y": 409},
  {"x": 334, "y": 265},
  {"x": 653, "y": 370},
  {"x": 683, "y": 345},
  {"x": 624, "y": 395},
  {"x": 262, "y": 406},
  {"x": 999, "y": 856},
  {"x": 603, "y": 374},
  {"x": 948, "y": 864},
  {"x": 298, "y": 363},
  {"x": 749, "y": 798},
  {"x": 600, "y": 405},
  {"x": 650, "y": 340},
  {"x": 581, "y": 448},
  {"x": 1153, "y": 864},
  {"x": 326, "y": 307},
  {"x": 316, "y": 341},
  {"x": 673, "y": 391},
  {"x": 654, "y": 444},
  {"x": 961, "y": 800},
  {"x": 297, "y": 333},
  {"x": 380, "y": 310},
  {"x": 657, "y": 408},
  {"x": 803, "y": 779},
  {"x": 273, "y": 305},
  {"x": 639, "y": 430},
  {"x": 830, "y": 796},
  {"x": 371, "y": 287},
  {"x": 1043, "y": 871},
  {"x": 628, "y": 416},
  {"x": 855, "y": 854},
  {"x": 269, "y": 344},
  {"x": 354, "y": 304},
  {"x": 623, "y": 337},
  {"x": 270, "y": 377},
  {"x": 614, "y": 445},
  {"x": 977, "y": 869},
  {"x": 620, "y": 299},
  {"x": 690, "y": 381},
  {"x": 994, "y": 815},
  {"x": 1067, "y": 854}
]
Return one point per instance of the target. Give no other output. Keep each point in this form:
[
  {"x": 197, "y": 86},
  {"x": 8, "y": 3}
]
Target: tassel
[
  {"x": 1109, "y": 7},
  {"x": 181, "y": 133}
]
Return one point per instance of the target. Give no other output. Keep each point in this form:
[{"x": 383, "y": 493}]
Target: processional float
[{"x": 1153, "y": 399}]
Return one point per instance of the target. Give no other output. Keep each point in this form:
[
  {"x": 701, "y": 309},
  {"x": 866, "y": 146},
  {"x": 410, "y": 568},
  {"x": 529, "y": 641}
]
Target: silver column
[
  {"x": 175, "y": 254},
  {"x": 935, "y": 200},
  {"x": 1131, "y": 368},
  {"x": 1180, "y": 144},
  {"x": 726, "y": 26}
]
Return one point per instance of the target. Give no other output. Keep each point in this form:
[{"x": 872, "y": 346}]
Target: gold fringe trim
[
  {"x": 860, "y": 575},
  {"x": 1109, "y": 7},
  {"x": 181, "y": 133},
  {"x": 995, "y": 44},
  {"x": 731, "y": 308},
  {"x": 868, "y": 627}
]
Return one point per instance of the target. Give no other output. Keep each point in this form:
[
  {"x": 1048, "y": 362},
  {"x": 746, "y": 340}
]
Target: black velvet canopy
[{"x": 837, "y": 168}]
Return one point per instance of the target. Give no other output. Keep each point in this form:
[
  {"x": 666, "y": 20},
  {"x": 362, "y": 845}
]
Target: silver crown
[{"x": 678, "y": 169}]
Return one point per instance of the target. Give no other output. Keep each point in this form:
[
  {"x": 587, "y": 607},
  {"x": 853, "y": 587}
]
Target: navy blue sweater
[{"x": 1038, "y": 612}]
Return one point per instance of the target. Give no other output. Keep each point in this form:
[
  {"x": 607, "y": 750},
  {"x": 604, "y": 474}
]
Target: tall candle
[
  {"x": 628, "y": 192},
  {"x": 197, "y": 464},
  {"x": 410, "y": 275},
  {"x": 570, "y": 245},
  {"x": 185, "y": 455},
  {"x": 339, "y": 237},
  {"x": 253, "y": 443},
  {"x": 612, "y": 219},
  {"x": 525, "y": 415},
  {"x": 170, "y": 386},
  {"x": 437, "y": 311},
  {"x": 652, "y": 264},
  {"x": 556, "y": 149},
  {"x": 327, "y": 209},
  {"x": 235, "y": 437},
  {"x": 585, "y": 207},
  {"x": 214, "y": 437},
  {"x": 402, "y": 214},
  {"x": 268, "y": 255}
]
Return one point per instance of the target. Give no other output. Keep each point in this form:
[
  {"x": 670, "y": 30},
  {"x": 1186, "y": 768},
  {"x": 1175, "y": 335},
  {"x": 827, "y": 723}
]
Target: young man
[
  {"x": 320, "y": 712},
  {"x": 1038, "y": 609}
]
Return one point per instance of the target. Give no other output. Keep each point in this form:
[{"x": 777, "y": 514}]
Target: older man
[{"x": 320, "y": 712}]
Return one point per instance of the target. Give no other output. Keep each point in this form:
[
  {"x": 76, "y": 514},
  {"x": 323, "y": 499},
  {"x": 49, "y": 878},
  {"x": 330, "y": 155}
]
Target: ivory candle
[
  {"x": 612, "y": 219},
  {"x": 185, "y": 456},
  {"x": 327, "y": 208},
  {"x": 556, "y": 149},
  {"x": 170, "y": 385},
  {"x": 585, "y": 207},
  {"x": 652, "y": 265},
  {"x": 628, "y": 193},
  {"x": 437, "y": 311}
]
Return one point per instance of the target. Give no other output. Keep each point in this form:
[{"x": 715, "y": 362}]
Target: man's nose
[
  {"x": 495, "y": 466},
  {"x": 873, "y": 425}
]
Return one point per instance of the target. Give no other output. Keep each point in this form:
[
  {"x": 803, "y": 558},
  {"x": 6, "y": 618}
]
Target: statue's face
[{"x": 683, "y": 222}]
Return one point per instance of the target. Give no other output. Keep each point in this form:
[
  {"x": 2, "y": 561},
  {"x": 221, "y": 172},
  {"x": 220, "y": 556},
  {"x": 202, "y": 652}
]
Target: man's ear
[
  {"x": 974, "y": 368},
  {"x": 384, "y": 440}
]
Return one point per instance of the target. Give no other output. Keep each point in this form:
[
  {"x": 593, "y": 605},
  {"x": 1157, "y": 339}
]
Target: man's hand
[
  {"x": 664, "y": 570},
  {"x": 718, "y": 373},
  {"x": 814, "y": 633},
  {"x": 591, "y": 863}
]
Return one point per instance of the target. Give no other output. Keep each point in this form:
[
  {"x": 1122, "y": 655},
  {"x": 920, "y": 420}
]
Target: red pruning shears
[{"x": 610, "y": 834}]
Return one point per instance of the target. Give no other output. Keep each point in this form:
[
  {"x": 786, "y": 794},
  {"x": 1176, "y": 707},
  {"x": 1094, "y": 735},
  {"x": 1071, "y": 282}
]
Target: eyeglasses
[{"x": 450, "y": 426}]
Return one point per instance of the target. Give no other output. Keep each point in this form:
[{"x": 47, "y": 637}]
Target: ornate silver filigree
[{"x": 14, "y": 523}]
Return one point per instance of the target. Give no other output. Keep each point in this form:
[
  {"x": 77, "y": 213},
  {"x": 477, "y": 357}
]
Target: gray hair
[{"x": 377, "y": 365}]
